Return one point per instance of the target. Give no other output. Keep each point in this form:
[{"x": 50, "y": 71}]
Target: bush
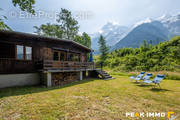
[{"x": 164, "y": 56}]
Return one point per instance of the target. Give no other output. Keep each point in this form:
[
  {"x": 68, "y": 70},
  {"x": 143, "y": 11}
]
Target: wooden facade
[
  {"x": 27, "y": 53},
  {"x": 57, "y": 61}
]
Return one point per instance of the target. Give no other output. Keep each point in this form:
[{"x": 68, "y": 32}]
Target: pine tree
[{"x": 103, "y": 49}]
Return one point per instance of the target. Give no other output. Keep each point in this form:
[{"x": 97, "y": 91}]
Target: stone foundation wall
[{"x": 14, "y": 80}]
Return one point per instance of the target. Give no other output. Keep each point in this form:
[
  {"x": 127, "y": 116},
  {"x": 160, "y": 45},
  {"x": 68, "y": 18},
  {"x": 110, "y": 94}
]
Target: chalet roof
[{"x": 13, "y": 33}]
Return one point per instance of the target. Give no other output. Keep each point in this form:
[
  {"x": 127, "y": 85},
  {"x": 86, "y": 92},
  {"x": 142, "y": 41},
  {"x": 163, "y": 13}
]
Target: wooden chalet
[{"x": 28, "y": 59}]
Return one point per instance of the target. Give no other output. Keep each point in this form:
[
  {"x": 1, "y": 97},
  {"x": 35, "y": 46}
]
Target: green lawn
[{"x": 90, "y": 99}]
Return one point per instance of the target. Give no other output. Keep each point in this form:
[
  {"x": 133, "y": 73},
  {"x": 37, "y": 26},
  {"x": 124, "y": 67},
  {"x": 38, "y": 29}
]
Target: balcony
[
  {"x": 67, "y": 66},
  {"x": 11, "y": 65}
]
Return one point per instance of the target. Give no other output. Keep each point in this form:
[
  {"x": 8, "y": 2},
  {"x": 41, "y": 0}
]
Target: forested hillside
[
  {"x": 155, "y": 32},
  {"x": 164, "y": 56}
]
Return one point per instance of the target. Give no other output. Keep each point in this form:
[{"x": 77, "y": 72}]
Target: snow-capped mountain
[
  {"x": 154, "y": 30},
  {"x": 112, "y": 32},
  {"x": 172, "y": 23},
  {"x": 147, "y": 20}
]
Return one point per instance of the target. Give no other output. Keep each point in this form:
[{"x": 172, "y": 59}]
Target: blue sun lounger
[
  {"x": 157, "y": 80},
  {"x": 147, "y": 76},
  {"x": 139, "y": 77}
]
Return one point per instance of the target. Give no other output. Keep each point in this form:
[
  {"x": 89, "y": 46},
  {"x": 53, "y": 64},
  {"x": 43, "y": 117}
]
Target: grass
[{"x": 90, "y": 99}]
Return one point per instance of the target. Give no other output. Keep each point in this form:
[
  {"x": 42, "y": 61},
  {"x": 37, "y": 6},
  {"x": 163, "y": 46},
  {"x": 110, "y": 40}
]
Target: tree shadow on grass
[{"x": 15, "y": 91}]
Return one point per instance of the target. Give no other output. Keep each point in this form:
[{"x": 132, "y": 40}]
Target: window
[
  {"x": 28, "y": 53},
  {"x": 83, "y": 58},
  {"x": 56, "y": 56},
  {"x": 20, "y": 52},
  {"x": 76, "y": 58},
  {"x": 62, "y": 57},
  {"x": 23, "y": 53},
  {"x": 70, "y": 57}
]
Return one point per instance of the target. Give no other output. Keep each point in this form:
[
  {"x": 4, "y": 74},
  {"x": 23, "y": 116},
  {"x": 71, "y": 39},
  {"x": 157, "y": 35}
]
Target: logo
[{"x": 169, "y": 115}]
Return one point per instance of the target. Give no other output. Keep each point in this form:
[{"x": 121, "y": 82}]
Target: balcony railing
[
  {"x": 67, "y": 65},
  {"x": 9, "y": 65}
]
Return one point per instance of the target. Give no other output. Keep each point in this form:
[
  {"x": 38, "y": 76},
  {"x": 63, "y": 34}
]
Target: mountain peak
[
  {"x": 110, "y": 25},
  {"x": 113, "y": 23},
  {"x": 100, "y": 31},
  {"x": 147, "y": 20},
  {"x": 170, "y": 18},
  {"x": 164, "y": 17}
]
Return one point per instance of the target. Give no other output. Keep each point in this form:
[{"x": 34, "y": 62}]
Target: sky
[{"x": 91, "y": 14}]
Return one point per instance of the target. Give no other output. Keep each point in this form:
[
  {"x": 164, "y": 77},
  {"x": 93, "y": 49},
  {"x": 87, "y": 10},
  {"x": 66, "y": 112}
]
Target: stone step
[{"x": 108, "y": 76}]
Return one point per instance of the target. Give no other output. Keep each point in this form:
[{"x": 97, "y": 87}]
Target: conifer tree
[{"x": 103, "y": 49}]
